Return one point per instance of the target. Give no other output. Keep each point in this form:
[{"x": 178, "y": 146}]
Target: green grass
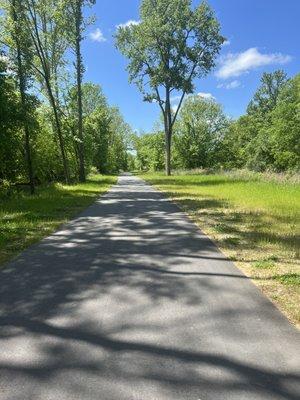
[
  {"x": 25, "y": 219},
  {"x": 255, "y": 220},
  {"x": 264, "y": 264}
]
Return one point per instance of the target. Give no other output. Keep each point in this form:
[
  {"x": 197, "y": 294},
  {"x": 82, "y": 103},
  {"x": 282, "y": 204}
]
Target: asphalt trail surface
[{"x": 131, "y": 301}]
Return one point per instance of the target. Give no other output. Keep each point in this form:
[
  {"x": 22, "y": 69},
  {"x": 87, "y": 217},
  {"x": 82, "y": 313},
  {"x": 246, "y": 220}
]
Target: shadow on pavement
[{"x": 131, "y": 301}]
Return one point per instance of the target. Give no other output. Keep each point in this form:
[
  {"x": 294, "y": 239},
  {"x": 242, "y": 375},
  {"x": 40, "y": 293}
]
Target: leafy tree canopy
[{"x": 265, "y": 98}]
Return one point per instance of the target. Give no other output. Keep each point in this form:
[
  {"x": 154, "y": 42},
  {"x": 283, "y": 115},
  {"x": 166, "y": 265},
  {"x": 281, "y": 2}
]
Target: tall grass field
[{"x": 254, "y": 219}]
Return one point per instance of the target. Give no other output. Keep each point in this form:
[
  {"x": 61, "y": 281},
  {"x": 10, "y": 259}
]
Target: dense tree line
[
  {"x": 52, "y": 125},
  {"x": 267, "y": 137}
]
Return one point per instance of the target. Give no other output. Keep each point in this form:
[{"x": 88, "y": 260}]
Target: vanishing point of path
[{"x": 130, "y": 301}]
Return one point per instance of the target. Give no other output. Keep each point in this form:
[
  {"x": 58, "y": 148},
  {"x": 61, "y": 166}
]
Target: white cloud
[
  {"x": 206, "y": 95},
  {"x": 128, "y": 23},
  {"x": 241, "y": 63},
  {"x": 175, "y": 99},
  {"x": 97, "y": 36},
  {"x": 226, "y": 43},
  {"x": 231, "y": 85},
  {"x": 175, "y": 102}
]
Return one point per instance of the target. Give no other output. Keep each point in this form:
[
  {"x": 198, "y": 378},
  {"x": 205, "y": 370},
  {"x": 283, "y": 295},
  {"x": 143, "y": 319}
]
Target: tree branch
[
  {"x": 178, "y": 108},
  {"x": 160, "y": 102}
]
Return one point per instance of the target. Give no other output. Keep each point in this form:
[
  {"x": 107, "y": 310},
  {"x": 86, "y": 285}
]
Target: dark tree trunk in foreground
[
  {"x": 25, "y": 124},
  {"x": 168, "y": 132},
  {"x": 22, "y": 89},
  {"x": 168, "y": 154}
]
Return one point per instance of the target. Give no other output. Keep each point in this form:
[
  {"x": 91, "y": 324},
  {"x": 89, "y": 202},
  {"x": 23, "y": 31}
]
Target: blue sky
[{"x": 263, "y": 35}]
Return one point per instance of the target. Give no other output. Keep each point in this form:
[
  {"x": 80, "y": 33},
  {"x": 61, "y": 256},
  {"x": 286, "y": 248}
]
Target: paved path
[{"x": 130, "y": 301}]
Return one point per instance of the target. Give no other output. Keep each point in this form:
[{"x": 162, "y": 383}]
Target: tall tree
[
  {"x": 79, "y": 74},
  {"x": 78, "y": 25},
  {"x": 171, "y": 46},
  {"x": 44, "y": 20}
]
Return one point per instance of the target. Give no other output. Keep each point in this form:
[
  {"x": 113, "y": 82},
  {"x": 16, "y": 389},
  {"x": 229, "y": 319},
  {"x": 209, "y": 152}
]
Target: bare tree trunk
[
  {"x": 168, "y": 154},
  {"x": 29, "y": 160},
  {"x": 56, "y": 106},
  {"x": 22, "y": 88},
  {"x": 75, "y": 146},
  {"x": 58, "y": 128},
  {"x": 59, "y": 134},
  {"x": 25, "y": 126},
  {"x": 79, "y": 71},
  {"x": 168, "y": 132}
]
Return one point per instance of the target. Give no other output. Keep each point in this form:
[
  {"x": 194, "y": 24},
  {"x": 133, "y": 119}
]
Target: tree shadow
[
  {"x": 250, "y": 229},
  {"x": 24, "y": 218},
  {"x": 149, "y": 363}
]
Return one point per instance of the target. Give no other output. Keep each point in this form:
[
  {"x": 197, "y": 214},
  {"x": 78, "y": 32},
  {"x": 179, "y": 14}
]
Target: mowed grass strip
[
  {"x": 254, "y": 221},
  {"x": 25, "y": 219}
]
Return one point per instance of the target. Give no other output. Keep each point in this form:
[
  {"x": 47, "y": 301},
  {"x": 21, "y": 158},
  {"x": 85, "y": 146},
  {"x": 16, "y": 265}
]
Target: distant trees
[
  {"x": 267, "y": 137},
  {"x": 150, "y": 151},
  {"x": 171, "y": 46},
  {"x": 199, "y": 132}
]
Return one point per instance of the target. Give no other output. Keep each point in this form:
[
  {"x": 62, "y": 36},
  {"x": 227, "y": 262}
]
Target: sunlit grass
[
  {"x": 254, "y": 220},
  {"x": 25, "y": 219}
]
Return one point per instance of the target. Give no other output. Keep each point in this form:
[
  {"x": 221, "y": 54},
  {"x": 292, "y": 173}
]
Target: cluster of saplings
[
  {"x": 267, "y": 137},
  {"x": 53, "y": 127}
]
